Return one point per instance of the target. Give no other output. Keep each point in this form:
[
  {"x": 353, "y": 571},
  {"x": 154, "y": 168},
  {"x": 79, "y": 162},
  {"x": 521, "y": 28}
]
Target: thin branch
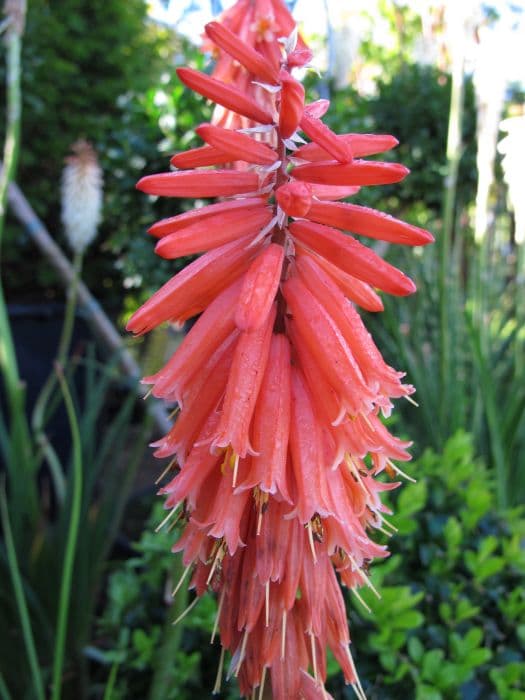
[{"x": 95, "y": 315}]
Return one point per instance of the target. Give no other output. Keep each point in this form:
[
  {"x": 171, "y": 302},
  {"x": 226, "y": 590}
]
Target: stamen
[
  {"x": 218, "y": 678},
  {"x": 235, "y": 471},
  {"x": 360, "y": 599},
  {"x": 181, "y": 580},
  {"x": 219, "y": 556},
  {"x": 311, "y": 541},
  {"x": 168, "y": 469},
  {"x": 385, "y": 532},
  {"x": 173, "y": 524},
  {"x": 186, "y": 612},
  {"x": 283, "y": 636},
  {"x": 355, "y": 471},
  {"x": 388, "y": 524},
  {"x": 267, "y": 603},
  {"x": 168, "y": 517},
  {"x": 364, "y": 577},
  {"x": 148, "y": 393},
  {"x": 243, "y": 653},
  {"x": 175, "y": 411},
  {"x": 411, "y": 400},
  {"x": 263, "y": 681},
  {"x": 217, "y": 616},
  {"x": 358, "y": 688},
  {"x": 314, "y": 655},
  {"x": 261, "y": 499},
  {"x": 401, "y": 473}
]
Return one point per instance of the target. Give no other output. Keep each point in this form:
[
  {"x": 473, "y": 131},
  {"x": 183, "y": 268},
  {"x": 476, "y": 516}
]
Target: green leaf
[
  {"x": 415, "y": 649},
  {"x": 432, "y": 663}
]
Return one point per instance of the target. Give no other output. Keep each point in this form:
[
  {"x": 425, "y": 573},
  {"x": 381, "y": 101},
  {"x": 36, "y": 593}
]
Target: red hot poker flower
[{"x": 280, "y": 386}]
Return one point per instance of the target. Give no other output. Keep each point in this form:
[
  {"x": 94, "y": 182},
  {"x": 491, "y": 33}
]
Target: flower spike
[{"x": 279, "y": 387}]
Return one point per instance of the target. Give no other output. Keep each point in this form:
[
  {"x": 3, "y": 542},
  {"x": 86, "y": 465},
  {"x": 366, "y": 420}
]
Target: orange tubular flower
[{"x": 281, "y": 388}]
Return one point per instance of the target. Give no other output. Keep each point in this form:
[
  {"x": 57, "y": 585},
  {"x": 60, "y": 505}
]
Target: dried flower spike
[
  {"x": 81, "y": 196},
  {"x": 279, "y": 439}
]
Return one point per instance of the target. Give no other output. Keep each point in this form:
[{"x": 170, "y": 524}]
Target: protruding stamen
[
  {"x": 181, "y": 580},
  {"x": 389, "y": 524},
  {"x": 219, "y": 556},
  {"x": 218, "y": 678},
  {"x": 217, "y": 616},
  {"x": 411, "y": 400},
  {"x": 263, "y": 681},
  {"x": 401, "y": 473},
  {"x": 186, "y": 612},
  {"x": 242, "y": 654},
  {"x": 175, "y": 411},
  {"x": 168, "y": 517},
  {"x": 358, "y": 688},
  {"x": 167, "y": 470},
  {"x": 360, "y": 599},
  {"x": 364, "y": 577},
  {"x": 386, "y": 533}
]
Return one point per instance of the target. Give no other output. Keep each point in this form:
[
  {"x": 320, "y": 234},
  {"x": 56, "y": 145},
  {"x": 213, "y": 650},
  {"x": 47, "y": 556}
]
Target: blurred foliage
[
  {"x": 111, "y": 446},
  {"x": 411, "y": 104},
  {"x": 404, "y": 24},
  {"x": 450, "y": 634},
  {"x": 99, "y": 70}
]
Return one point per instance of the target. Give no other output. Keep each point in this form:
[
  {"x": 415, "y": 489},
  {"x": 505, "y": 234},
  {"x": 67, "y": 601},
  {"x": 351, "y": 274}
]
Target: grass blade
[
  {"x": 71, "y": 542},
  {"x": 21, "y": 602}
]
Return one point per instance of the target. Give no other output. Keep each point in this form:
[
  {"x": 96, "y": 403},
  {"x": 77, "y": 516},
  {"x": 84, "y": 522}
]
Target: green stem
[
  {"x": 20, "y": 461},
  {"x": 7, "y": 175},
  {"x": 69, "y": 317},
  {"x": 71, "y": 543},
  {"x": 18, "y": 587},
  {"x": 39, "y": 412},
  {"x": 108, "y": 692}
]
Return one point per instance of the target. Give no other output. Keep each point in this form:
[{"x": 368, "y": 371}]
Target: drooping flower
[{"x": 279, "y": 439}]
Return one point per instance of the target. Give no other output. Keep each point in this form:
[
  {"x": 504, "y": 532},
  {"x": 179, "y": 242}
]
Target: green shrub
[{"x": 451, "y": 620}]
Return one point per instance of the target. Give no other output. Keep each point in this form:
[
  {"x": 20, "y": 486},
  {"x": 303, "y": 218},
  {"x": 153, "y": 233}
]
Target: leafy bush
[{"x": 451, "y": 621}]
